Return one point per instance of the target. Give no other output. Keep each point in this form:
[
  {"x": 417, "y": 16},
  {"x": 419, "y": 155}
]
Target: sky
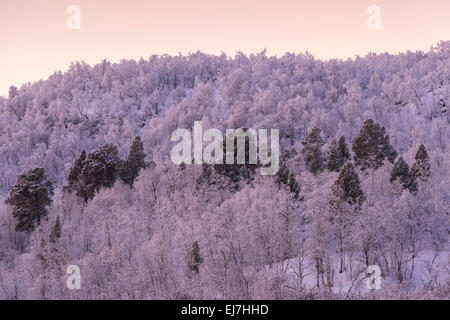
[{"x": 36, "y": 41}]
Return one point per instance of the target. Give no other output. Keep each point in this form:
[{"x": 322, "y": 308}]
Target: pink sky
[{"x": 35, "y": 41}]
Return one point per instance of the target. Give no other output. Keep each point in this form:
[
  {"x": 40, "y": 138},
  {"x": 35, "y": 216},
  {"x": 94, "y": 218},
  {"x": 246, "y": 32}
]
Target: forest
[{"x": 363, "y": 179}]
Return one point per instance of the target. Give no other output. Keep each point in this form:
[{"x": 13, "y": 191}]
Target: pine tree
[
  {"x": 135, "y": 161},
  {"x": 347, "y": 187},
  {"x": 236, "y": 172},
  {"x": 74, "y": 174},
  {"x": 371, "y": 146},
  {"x": 29, "y": 197},
  {"x": 100, "y": 169},
  {"x": 205, "y": 176},
  {"x": 195, "y": 258},
  {"x": 285, "y": 177},
  {"x": 421, "y": 168},
  {"x": 337, "y": 155},
  {"x": 401, "y": 176},
  {"x": 312, "y": 153},
  {"x": 345, "y": 200},
  {"x": 56, "y": 231}
]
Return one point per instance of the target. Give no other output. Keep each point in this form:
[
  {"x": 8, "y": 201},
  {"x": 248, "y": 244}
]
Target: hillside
[{"x": 144, "y": 239}]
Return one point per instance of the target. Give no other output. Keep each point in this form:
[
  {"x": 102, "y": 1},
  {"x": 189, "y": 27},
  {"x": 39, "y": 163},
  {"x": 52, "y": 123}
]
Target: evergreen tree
[
  {"x": 371, "y": 146},
  {"x": 285, "y": 177},
  {"x": 347, "y": 187},
  {"x": 312, "y": 153},
  {"x": 401, "y": 176},
  {"x": 345, "y": 200},
  {"x": 29, "y": 198},
  {"x": 75, "y": 172},
  {"x": 205, "y": 176},
  {"x": 100, "y": 169},
  {"x": 195, "y": 258},
  {"x": 56, "y": 231},
  {"x": 237, "y": 172},
  {"x": 337, "y": 155},
  {"x": 135, "y": 162},
  {"x": 421, "y": 168}
]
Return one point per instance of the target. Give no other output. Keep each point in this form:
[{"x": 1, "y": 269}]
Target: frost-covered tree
[
  {"x": 56, "y": 231},
  {"x": 312, "y": 153},
  {"x": 421, "y": 167},
  {"x": 134, "y": 163},
  {"x": 286, "y": 177},
  {"x": 347, "y": 187},
  {"x": 337, "y": 154},
  {"x": 345, "y": 200},
  {"x": 371, "y": 146},
  {"x": 401, "y": 177},
  {"x": 29, "y": 197},
  {"x": 100, "y": 169},
  {"x": 195, "y": 258},
  {"x": 73, "y": 177}
]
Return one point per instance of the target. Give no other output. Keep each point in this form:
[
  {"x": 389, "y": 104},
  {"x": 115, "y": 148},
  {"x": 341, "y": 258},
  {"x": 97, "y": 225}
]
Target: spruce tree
[
  {"x": 345, "y": 200},
  {"x": 56, "y": 231},
  {"x": 371, "y": 146},
  {"x": 236, "y": 172},
  {"x": 75, "y": 172},
  {"x": 337, "y": 155},
  {"x": 401, "y": 176},
  {"x": 100, "y": 169},
  {"x": 135, "y": 160},
  {"x": 29, "y": 197},
  {"x": 347, "y": 187},
  {"x": 285, "y": 177},
  {"x": 312, "y": 153},
  {"x": 195, "y": 258},
  {"x": 421, "y": 168},
  {"x": 205, "y": 176}
]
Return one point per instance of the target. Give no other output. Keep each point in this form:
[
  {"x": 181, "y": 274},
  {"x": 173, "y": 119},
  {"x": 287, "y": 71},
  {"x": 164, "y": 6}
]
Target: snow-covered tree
[
  {"x": 312, "y": 153},
  {"x": 401, "y": 177},
  {"x": 337, "y": 154},
  {"x": 29, "y": 197},
  {"x": 134, "y": 163},
  {"x": 421, "y": 167},
  {"x": 371, "y": 146}
]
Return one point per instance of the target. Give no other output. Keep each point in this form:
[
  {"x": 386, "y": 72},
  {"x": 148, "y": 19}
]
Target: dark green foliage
[
  {"x": 212, "y": 177},
  {"x": 56, "y": 231},
  {"x": 337, "y": 155},
  {"x": 401, "y": 175},
  {"x": 345, "y": 201},
  {"x": 287, "y": 178},
  {"x": 371, "y": 146},
  {"x": 347, "y": 188},
  {"x": 29, "y": 198},
  {"x": 237, "y": 172},
  {"x": 195, "y": 258},
  {"x": 312, "y": 153},
  {"x": 75, "y": 172},
  {"x": 421, "y": 168},
  {"x": 205, "y": 176},
  {"x": 134, "y": 163},
  {"x": 100, "y": 169}
]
